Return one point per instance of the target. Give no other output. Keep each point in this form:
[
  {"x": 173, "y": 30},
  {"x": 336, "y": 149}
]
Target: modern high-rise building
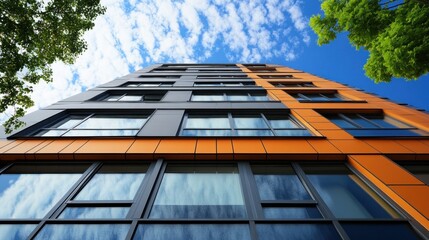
[{"x": 217, "y": 151}]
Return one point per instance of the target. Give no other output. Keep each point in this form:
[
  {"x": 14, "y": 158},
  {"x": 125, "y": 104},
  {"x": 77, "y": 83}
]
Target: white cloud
[{"x": 124, "y": 40}]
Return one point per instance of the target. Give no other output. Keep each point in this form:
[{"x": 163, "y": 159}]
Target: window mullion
[
  {"x": 268, "y": 124},
  {"x": 326, "y": 212},
  {"x": 231, "y": 124},
  {"x": 371, "y": 122},
  {"x": 349, "y": 120}
]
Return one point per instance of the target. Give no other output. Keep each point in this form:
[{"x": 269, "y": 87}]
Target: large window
[
  {"x": 319, "y": 97},
  {"x": 223, "y": 84},
  {"x": 119, "y": 96},
  {"x": 229, "y": 96},
  {"x": 292, "y": 84},
  {"x": 179, "y": 200},
  {"x": 94, "y": 125},
  {"x": 373, "y": 125},
  {"x": 229, "y": 124},
  {"x": 148, "y": 84},
  {"x": 222, "y": 77}
]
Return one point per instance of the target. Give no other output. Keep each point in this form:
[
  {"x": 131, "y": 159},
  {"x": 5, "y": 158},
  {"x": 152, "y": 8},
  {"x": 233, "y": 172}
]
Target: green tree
[
  {"x": 33, "y": 35},
  {"x": 396, "y": 34}
]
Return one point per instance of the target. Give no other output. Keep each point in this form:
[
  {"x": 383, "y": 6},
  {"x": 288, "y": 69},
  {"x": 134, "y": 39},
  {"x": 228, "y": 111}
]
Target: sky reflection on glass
[
  {"x": 199, "y": 195},
  {"x": 207, "y": 122},
  {"x": 249, "y": 122},
  {"x": 32, "y": 195},
  {"x": 83, "y": 231},
  {"x": 111, "y": 186},
  {"x": 280, "y": 187},
  {"x": 207, "y": 98},
  {"x": 94, "y": 212},
  {"x": 291, "y": 212},
  {"x": 109, "y": 132},
  {"x": 296, "y": 231},
  {"x": 206, "y": 132},
  {"x": 100, "y": 122},
  {"x": 15, "y": 231},
  {"x": 193, "y": 232}
]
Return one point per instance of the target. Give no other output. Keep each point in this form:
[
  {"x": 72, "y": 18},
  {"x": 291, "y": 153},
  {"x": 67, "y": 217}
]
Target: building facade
[{"x": 217, "y": 151}]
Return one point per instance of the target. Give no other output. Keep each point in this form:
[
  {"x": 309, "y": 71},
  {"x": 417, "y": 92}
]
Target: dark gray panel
[
  {"x": 163, "y": 123},
  {"x": 184, "y": 84},
  {"x": 177, "y": 96},
  {"x": 31, "y": 120},
  {"x": 85, "y": 96}
]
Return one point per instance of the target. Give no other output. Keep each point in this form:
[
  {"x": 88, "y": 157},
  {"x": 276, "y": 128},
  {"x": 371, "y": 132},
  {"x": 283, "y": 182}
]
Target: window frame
[
  {"x": 294, "y": 84},
  {"x": 225, "y": 84},
  {"x": 155, "y": 83},
  {"x": 226, "y": 94}
]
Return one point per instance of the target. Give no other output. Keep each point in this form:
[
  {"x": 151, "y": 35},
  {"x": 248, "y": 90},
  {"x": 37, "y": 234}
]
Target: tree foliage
[
  {"x": 33, "y": 35},
  {"x": 396, "y": 34}
]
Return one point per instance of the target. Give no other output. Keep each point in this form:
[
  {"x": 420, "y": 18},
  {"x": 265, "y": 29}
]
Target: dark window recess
[
  {"x": 373, "y": 125},
  {"x": 318, "y": 97},
  {"x": 229, "y": 124},
  {"x": 222, "y": 77},
  {"x": 292, "y": 84},
  {"x": 169, "y": 69},
  {"x": 77, "y": 125},
  {"x": 148, "y": 84},
  {"x": 276, "y": 76},
  {"x": 223, "y": 84},
  {"x": 199, "y": 65},
  {"x": 230, "y": 96},
  {"x": 214, "y": 70}
]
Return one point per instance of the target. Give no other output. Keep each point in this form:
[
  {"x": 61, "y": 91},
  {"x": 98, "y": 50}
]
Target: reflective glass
[
  {"x": 110, "y": 132},
  {"x": 114, "y": 182},
  {"x": 377, "y": 231},
  {"x": 193, "y": 232},
  {"x": 30, "y": 191},
  {"x": 340, "y": 122},
  {"x": 149, "y": 85},
  {"x": 254, "y": 121},
  {"x": 113, "y": 98},
  {"x": 219, "y": 97},
  {"x": 278, "y": 183},
  {"x": 380, "y": 132},
  {"x": 243, "y": 97},
  {"x": 199, "y": 192},
  {"x": 207, "y": 132},
  {"x": 131, "y": 98},
  {"x": 106, "y": 122},
  {"x": 386, "y": 122},
  {"x": 16, "y": 231},
  {"x": 84, "y": 231},
  {"x": 51, "y": 133},
  {"x": 281, "y": 122},
  {"x": 254, "y": 133},
  {"x": 292, "y": 133},
  {"x": 230, "y": 84},
  {"x": 260, "y": 98},
  {"x": 94, "y": 212},
  {"x": 207, "y": 122},
  {"x": 345, "y": 194},
  {"x": 296, "y": 231},
  {"x": 69, "y": 122},
  {"x": 291, "y": 212}
]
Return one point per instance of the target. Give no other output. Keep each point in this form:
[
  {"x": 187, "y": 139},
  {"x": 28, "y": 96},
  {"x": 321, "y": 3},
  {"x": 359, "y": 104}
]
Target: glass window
[
  {"x": 242, "y": 125},
  {"x": 278, "y": 182},
  {"x": 318, "y": 97},
  {"x": 96, "y": 125},
  {"x": 148, "y": 84},
  {"x": 229, "y": 96},
  {"x": 297, "y": 231},
  {"x": 114, "y": 182},
  {"x": 84, "y": 231},
  {"x": 345, "y": 194},
  {"x": 292, "y": 84},
  {"x": 371, "y": 231},
  {"x": 373, "y": 125},
  {"x": 30, "y": 191},
  {"x": 291, "y": 212},
  {"x": 199, "y": 192},
  {"x": 223, "y": 84},
  {"x": 193, "y": 231},
  {"x": 275, "y": 76},
  {"x": 94, "y": 212},
  {"x": 16, "y": 231}
]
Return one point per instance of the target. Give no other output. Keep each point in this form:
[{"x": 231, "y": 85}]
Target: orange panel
[
  {"x": 224, "y": 149},
  {"x": 388, "y": 191},
  {"x": 416, "y": 196},
  {"x": 414, "y": 145},
  {"x": 248, "y": 149},
  {"x": 385, "y": 169},
  {"x": 306, "y": 113},
  {"x": 4, "y": 143},
  {"x": 323, "y": 146},
  {"x": 30, "y": 154},
  {"x": 316, "y": 120},
  {"x": 142, "y": 149},
  {"x": 336, "y": 134},
  {"x": 17, "y": 152},
  {"x": 206, "y": 149},
  {"x": 297, "y": 149},
  {"x": 176, "y": 149},
  {"x": 104, "y": 149},
  {"x": 325, "y": 126},
  {"x": 388, "y": 146},
  {"x": 353, "y": 146},
  {"x": 51, "y": 151}
]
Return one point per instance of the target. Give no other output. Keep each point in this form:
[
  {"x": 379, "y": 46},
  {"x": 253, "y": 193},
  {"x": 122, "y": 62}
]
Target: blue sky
[{"x": 133, "y": 34}]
